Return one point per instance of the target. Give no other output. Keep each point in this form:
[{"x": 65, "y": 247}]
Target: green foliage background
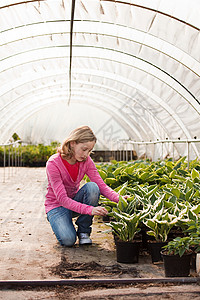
[{"x": 30, "y": 155}]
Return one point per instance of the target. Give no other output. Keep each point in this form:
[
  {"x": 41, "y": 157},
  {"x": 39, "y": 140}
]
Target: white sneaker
[{"x": 84, "y": 239}]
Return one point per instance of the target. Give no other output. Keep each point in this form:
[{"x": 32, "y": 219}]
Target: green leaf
[
  {"x": 181, "y": 251},
  {"x": 122, "y": 204},
  {"x": 168, "y": 204},
  {"x": 176, "y": 192},
  {"x": 189, "y": 194},
  {"x": 151, "y": 224},
  {"x": 195, "y": 174},
  {"x": 110, "y": 175},
  {"x": 102, "y": 174},
  {"x": 196, "y": 194},
  {"x": 151, "y": 233},
  {"x": 144, "y": 175},
  {"x": 189, "y": 183},
  {"x": 111, "y": 182},
  {"x": 122, "y": 190},
  {"x": 117, "y": 171},
  {"x": 196, "y": 209},
  {"x": 152, "y": 191},
  {"x": 108, "y": 208},
  {"x": 179, "y": 162},
  {"x": 130, "y": 199},
  {"x": 191, "y": 215},
  {"x": 172, "y": 174},
  {"x": 109, "y": 203}
]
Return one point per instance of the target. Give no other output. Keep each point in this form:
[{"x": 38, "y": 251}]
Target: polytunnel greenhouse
[{"x": 129, "y": 70}]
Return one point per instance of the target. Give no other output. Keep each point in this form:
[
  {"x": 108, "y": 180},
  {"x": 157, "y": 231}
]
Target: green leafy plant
[
  {"x": 124, "y": 225},
  {"x": 178, "y": 246},
  {"x": 193, "y": 231},
  {"x": 164, "y": 194},
  {"x": 160, "y": 225}
]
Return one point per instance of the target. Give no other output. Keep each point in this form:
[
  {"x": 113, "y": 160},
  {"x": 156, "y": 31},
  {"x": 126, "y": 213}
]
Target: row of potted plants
[
  {"x": 163, "y": 207},
  {"x": 31, "y": 155}
]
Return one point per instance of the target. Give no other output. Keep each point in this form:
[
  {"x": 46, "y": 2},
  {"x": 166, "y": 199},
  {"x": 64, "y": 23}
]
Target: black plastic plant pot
[
  {"x": 106, "y": 218},
  {"x": 176, "y": 266},
  {"x": 155, "y": 249},
  {"x": 193, "y": 261},
  {"x": 127, "y": 252}
]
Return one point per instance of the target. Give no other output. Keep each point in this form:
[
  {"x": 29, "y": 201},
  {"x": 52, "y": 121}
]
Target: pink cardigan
[{"x": 61, "y": 187}]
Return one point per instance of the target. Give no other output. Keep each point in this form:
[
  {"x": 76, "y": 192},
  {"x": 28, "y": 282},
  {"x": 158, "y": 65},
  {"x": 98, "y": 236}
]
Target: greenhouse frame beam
[
  {"x": 90, "y": 31},
  {"x": 127, "y": 128},
  {"x": 136, "y": 67},
  {"x": 105, "y": 87},
  {"x": 154, "y": 10},
  {"x": 132, "y": 84},
  {"x": 177, "y": 141},
  {"x": 115, "y": 51},
  {"x": 73, "y": 2},
  {"x": 123, "y": 102},
  {"x": 19, "y": 3},
  {"x": 161, "y": 141},
  {"x": 152, "y": 75},
  {"x": 119, "y": 2},
  {"x": 149, "y": 94},
  {"x": 16, "y": 119},
  {"x": 155, "y": 50}
]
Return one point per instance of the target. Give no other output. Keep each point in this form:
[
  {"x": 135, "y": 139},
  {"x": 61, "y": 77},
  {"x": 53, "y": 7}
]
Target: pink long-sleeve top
[{"x": 61, "y": 187}]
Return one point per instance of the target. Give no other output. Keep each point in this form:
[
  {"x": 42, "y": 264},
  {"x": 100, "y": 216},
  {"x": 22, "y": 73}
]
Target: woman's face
[{"x": 82, "y": 150}]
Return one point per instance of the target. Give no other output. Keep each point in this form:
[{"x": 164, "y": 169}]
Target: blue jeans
[{"x": 60, "y": 217}]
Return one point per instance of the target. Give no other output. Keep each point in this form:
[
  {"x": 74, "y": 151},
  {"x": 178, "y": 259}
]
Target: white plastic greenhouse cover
[{"x": 128, "y": 69}]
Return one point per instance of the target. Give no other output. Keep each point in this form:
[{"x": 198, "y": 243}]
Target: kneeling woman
[{"x": 65, "y": 199}]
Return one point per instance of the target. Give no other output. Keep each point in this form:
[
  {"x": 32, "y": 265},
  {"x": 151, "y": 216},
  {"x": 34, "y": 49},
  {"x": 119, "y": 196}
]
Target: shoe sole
[{"x": 82, "y": 244}]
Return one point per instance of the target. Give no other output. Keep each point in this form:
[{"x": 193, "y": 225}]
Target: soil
[
  {"x": 30, "y": 251},
  {"x": 67, "y": 269}
]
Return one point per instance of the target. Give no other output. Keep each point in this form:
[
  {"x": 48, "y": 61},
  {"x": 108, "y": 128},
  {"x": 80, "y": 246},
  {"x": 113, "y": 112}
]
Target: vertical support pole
[
  {"x": 18, "y": 158},
  {"x": 8, "y": 161},
  {"x": 145, "y": 151},
  {"x": 131, "y": 147},
  {"x": 12, "y": 160},
  {"x": 4, "y": 164},
  {"x": 188, "y": 154},
  {"x": 154, "y": 151},
  {"x": 15, "y": 160},
  {"x": 119, "y": 150}
]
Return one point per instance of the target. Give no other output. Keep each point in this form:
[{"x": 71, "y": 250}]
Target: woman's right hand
[{"x": 99, "y": 211}]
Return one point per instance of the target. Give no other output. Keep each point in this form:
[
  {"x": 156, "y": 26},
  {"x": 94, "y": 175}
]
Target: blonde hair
[{"x": 82, "y": 134}]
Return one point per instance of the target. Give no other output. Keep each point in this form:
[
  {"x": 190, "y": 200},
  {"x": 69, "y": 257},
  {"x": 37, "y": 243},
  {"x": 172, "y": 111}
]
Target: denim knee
[
  {"x": 68, "y": 240},
  {"x": 61, "y": 223},
  {"x": 93, "y": 193}
]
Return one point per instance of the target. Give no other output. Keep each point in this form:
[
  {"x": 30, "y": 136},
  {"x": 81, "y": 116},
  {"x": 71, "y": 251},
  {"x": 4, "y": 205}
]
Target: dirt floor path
[{"x": 29, "y": 250}]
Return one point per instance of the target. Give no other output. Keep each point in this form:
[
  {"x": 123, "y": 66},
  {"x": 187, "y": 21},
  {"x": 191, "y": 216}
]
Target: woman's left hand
[{"x": 99, "y": 211}]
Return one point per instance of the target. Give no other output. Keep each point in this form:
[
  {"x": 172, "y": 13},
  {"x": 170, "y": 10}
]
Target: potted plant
[
  {"x": 160, "y": 225},
  {"x": 194, "y": 232},
  {"x": 196, "y": 253},
  {"x": 177, "y": 257},
  {"x": 125, "y": 227}
]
